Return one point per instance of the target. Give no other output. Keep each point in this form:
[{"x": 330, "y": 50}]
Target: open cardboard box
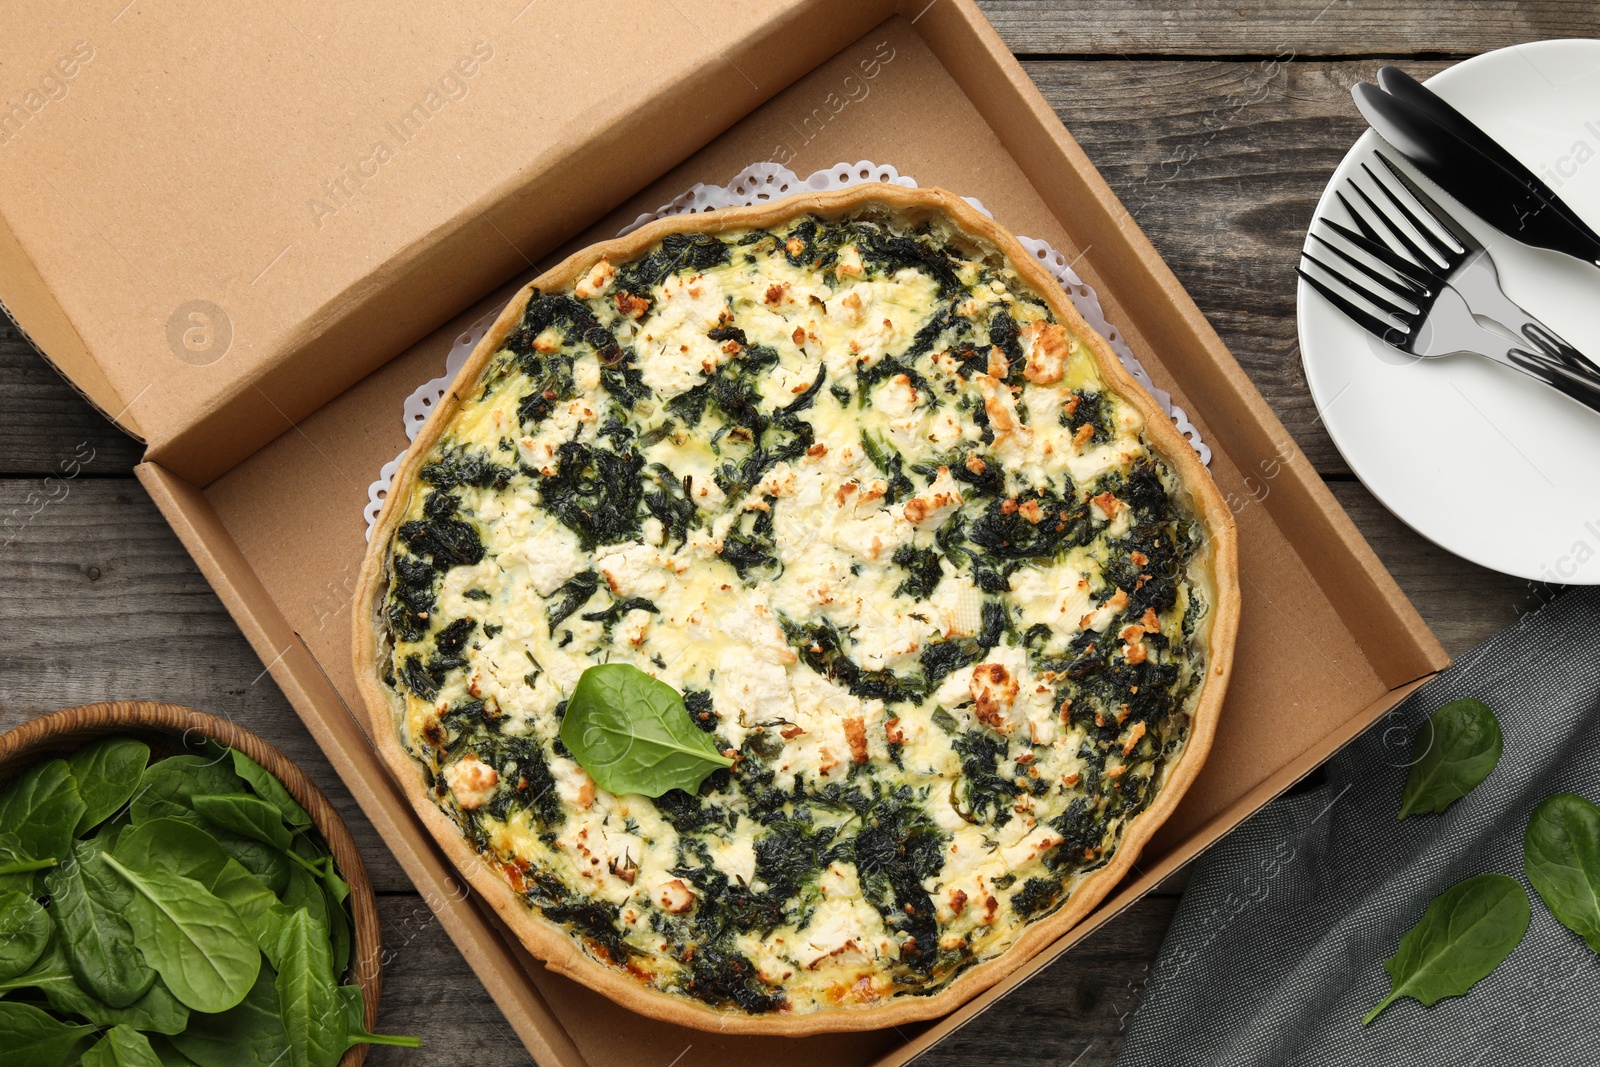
[{"x": 249, "y": 252}]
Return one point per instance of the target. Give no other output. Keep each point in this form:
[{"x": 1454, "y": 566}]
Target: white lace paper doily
[{"x": 761, "y": 183}]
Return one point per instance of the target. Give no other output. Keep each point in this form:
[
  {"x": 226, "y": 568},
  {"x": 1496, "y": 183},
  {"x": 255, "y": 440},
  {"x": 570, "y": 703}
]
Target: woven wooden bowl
[{"x": 171, "y": 730}]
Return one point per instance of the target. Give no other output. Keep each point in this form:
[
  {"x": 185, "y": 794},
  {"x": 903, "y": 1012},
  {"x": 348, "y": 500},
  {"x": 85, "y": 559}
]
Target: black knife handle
[{"x": 1408, "y": 90}]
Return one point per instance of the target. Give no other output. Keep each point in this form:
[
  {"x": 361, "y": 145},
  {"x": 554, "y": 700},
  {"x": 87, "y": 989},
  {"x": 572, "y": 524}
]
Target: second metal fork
[{"x": 1409, "y": 286}]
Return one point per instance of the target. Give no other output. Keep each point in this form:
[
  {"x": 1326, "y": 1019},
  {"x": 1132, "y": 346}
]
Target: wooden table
[{"x": 1217, "y": 126}]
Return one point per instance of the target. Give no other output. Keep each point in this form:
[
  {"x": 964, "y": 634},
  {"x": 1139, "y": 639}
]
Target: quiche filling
[{"x": 850, "y": 489}]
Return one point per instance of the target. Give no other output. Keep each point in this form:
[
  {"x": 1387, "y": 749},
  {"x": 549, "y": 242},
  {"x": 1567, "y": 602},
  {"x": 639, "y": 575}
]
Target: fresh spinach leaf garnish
[
  {"x": 1462, "y": 937},
  {"x": 1561, "y": 855},
  {"x": 633, "y": 734},
  {"x": 1454, "y": 751}
]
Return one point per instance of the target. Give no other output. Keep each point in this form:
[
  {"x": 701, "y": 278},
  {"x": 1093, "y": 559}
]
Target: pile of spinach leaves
[{"x": 176, "y": 913}]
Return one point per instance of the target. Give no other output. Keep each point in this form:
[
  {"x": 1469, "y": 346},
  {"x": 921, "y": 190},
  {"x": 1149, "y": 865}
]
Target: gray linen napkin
[{"x": 1277, "y": 948}]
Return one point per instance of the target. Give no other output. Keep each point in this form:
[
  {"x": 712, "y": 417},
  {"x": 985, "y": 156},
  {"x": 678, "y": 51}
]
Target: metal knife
[{"x": 1471, "y": 166}]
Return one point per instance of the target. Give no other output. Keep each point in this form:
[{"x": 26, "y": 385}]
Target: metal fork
[{"x": 1431, "y": 293}]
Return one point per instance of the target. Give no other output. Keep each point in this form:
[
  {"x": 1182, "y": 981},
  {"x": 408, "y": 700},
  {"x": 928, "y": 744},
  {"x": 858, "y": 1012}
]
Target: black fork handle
[{"x": 1558, "y": 365}]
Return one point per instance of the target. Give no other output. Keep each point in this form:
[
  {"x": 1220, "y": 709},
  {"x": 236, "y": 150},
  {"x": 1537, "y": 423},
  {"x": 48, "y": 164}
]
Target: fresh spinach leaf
[
  {"x": 308, "y": 997},
  {"x": 122, "y": 1046},
  {"x": 167, "y": 788},
  {"x": 271, "y": 790},
  {"x": 24, "y": 933},
  {"x": 1453, "y": 751},
  {"x": 31, "y": 1037},
  {"x": 256, "y": 905},
  {"x": 41, "y": 808},
  {"x": 338, "y": 889},
  {"x": 18, "y": 870},
  {"x": 89, "y": 902},
  {"x": 197, "y": 943},
  {"x": 107, "y": 773},
  {"x": 1561, "y": 854},
  {"x": 266, "y": 862},
  {"x": 355, "y": 1019},
  {"x": 1463, "y": 936},
  {"x": 247, "y": 1035},
  {"x": 246, "y": 816},
  {"x": 168, "y": 1053},
  {"x": 174, "y": 846},
  {"x": 156, "y": 1012},
  {"x": 633, "y": 734},
  {"x": 339, "y": 933},
  {"x": 305, "y": 891}
]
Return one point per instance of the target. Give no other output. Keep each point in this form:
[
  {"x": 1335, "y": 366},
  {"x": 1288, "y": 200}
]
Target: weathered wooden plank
[
  {"x": 1304, "y": 27},
  {"x": 99, "y": 601},
  {"x": 47, "y": 423},
  {"x": 1076, "y": 1011},
  {"x": 1221, "y": 164},
  {"x": 431, "y": 993}
]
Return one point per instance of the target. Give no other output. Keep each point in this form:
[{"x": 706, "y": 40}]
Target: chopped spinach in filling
[{"x": 851, "y": 490}]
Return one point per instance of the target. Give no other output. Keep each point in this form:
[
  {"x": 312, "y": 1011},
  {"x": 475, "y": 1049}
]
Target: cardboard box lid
[{"x": 216, "y": 216}]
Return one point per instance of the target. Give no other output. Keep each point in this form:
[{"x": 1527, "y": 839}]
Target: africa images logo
[
  {"x": 452, "y": 86},
  {"x": 47, "y": 87},
  {"x": 1566, "y": 167}
]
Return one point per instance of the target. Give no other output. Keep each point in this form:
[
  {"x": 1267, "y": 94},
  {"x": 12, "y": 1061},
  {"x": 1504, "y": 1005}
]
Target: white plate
[{"x": 1483, "y": 461}]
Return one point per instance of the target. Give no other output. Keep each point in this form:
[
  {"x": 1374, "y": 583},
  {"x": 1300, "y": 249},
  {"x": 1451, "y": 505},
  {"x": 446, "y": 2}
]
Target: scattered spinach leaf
[
  {"x": 107, "y": 773},
  {"x": 1454, "y": 751},
  {"x": 24, "y": 933},
  {"x": 1561, "y": 855},
  {"x": 89, "y": 902},
  {"x": 1463, "y": 936},
  {"x": 633, "y": 734},
  {"x": 197, "y": 943}
]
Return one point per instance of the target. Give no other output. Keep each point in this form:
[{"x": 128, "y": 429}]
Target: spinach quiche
[{"x": 940, "y": 582}]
